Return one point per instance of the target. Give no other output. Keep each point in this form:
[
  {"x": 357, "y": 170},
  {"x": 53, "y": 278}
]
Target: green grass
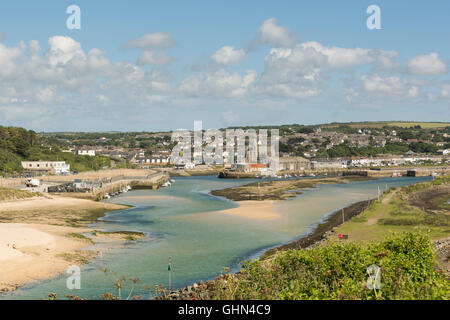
[
  {"x": 77, "y": 257},
  {"x": 126, "y": 235},
  {"x": 14, "y": 194},
  {"x": 397, "y": 215},
  {"x": 80, "y": 236}
]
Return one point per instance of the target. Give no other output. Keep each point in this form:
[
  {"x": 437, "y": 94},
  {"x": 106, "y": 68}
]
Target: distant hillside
[
  {"x": 15, "y": 145},
  {"x": 18, "y": 144}
]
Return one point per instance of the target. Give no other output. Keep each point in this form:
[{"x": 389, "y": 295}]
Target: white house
[
  {"x": 86, "y": 152},
  {"x": 57, "y": 167}
]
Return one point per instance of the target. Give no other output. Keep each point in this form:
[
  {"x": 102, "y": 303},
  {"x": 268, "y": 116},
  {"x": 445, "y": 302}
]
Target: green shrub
[{"x": 339, "y": 271}]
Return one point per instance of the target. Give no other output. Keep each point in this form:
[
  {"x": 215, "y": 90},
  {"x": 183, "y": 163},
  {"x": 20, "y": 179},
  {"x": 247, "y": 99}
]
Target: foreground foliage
[{"x": 339, "y": 271}]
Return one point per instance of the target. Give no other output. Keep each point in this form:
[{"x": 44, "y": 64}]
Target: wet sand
[
  {"x": 30, "y": 252},
  {"x": 254, "y": 210}
]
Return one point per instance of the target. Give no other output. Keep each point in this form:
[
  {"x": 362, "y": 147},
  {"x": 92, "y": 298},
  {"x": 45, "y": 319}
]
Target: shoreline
[
  {"x": 320, "y": 231},
  {"x": 31, "y": 252},
  {"x": 41, "y": 237}
]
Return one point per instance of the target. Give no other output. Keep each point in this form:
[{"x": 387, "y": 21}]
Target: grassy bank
[
  {"x": 420, "y": 207},
  {"x": 13, "y": 194}
]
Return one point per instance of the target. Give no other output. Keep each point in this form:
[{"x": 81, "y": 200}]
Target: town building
[
  {"x": 85, "y": 152},
  {"x": 294, "y": 163},
  {"x": 53, "y": 167},
  {"x": 327, "y": 164}
]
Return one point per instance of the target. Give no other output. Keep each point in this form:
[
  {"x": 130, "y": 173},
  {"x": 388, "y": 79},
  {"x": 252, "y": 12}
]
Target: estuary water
[{"x": 184, "y": 222}]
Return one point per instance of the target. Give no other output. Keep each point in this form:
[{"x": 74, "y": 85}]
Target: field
[
  {"x": 422, "y": 207},
  {"x": 424, "y": 125},
  {"x": 403, "y": 124}
]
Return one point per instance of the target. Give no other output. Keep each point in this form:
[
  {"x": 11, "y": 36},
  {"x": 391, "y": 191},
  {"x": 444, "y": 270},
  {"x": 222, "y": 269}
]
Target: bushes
[{"x": 339, "y": 271}]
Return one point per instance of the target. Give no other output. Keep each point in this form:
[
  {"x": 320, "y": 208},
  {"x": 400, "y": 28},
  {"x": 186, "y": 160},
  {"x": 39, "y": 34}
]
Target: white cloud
[
  {"x": 341, "y": 57},
  {"x": 391, "y": 86},
  {"x": 445, "y": 90},
  {"x": 427, "y": 65},
  {"x": 34, "y": 47},
  {"x": 63, "y": 49},
  {"x": 228, "y": 55},
  {"x": 67, "y": 80},
  {"x": 154, "y": 57},
  {"x": 292, "y": 72},
  {"x": 219, "y": 84},
  {"x": 7, "y": 59},
  {"x": 152, "y": 40},
  {"x": 271, "y": 33}
]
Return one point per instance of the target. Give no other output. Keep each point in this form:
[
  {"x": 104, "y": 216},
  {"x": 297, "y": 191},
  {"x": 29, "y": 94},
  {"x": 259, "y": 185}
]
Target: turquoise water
[{"x": 183, "y": 222}]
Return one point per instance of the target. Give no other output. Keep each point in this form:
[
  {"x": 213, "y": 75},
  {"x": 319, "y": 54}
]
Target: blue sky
[{"x": 226, "y": 63}]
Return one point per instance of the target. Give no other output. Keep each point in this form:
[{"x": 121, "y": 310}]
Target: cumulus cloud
[
  {"x": 391, "y": 86},
  {"x": 63, "y": 49},
  {"x": 152, "y": 40},
  {"x": 429, "y": 64},
  {"x": 292, "y": 72},
  {"x": 154, "y": 57},
  {"x": 67, "y": 75},
  {"x": 220, "y": 83},
  {"x": 341, "y": 57},
  {"x": 8, "y": 58},
  {"x": 228, "y": 55},
  {"x": 271, "y": 33}
]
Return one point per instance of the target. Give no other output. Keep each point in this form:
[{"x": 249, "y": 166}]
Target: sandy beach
[
  {"x": 263, "y": 210},
  {"x": 35, "y": 240},
  {"x": 29, "y": 252}
]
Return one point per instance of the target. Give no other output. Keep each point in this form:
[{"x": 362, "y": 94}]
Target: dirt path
[{"x": 383, "y": 209}]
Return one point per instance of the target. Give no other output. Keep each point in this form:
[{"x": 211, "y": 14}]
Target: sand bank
[
  {"x": 263, "y": 210},
  {"x": 54, "y": 210},
  {"x": 30, "y": 252}
]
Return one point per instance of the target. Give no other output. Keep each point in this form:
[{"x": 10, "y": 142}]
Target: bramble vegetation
[{"x": 339, "y": 271}]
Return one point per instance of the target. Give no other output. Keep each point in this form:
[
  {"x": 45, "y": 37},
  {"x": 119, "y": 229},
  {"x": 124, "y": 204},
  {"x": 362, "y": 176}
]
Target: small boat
[{"x": 167, "y": 184}]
